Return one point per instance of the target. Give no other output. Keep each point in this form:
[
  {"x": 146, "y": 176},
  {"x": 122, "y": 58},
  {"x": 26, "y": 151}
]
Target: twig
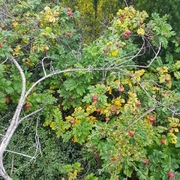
[
  {"x": 42, "y": 62},
  {"x": 160, "y": 44},
  {"x": 38, "y": 144},
  {"x": 144, "y": 114},
  {"x": 31, "y": 114},
  {"x": 128, "y": 57},
  {"x": 126, "y": 3},
  {"x": 21, "y": 154},
  {"x": 4, "y": 61},
  {"x": 12, "y": 165}
]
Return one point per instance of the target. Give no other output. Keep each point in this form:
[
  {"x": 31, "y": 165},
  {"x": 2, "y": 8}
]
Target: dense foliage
[{"x": 108, "y": 109}]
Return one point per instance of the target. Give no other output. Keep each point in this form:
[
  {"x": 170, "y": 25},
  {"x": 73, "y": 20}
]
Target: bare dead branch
[
  {"x": 29, "y": 115},
  {"x": 156, "y": 54},
  {"x": 4, "y": 61},
  {"x": 42, "y": 62},
  {"x": 38, "y": 144},
  {"x": 21, "y": 100},
  {"x": 125, "y": 2},
  {"x": 21, "y": 154},
  {"x": 12, "y": 165},
  {"x": 14, "y": 122}
]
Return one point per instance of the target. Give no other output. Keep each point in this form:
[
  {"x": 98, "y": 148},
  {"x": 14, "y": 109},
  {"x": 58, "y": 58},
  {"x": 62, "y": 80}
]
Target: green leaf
[
  {"x": 178, "y": 141},
  {"x": 70, "y": 84},
  {"x": 177, "y": 75},
  {"x": 48, "y": 29},
  {"x": 9, "y": 90},
  {"x": 91, "y": 177}
]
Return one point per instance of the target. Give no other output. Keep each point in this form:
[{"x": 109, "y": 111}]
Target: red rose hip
[
  {"x": 171, "y": 175},
  {"x": 95, "y": 98},
  {"x": 27, "y": 106}
]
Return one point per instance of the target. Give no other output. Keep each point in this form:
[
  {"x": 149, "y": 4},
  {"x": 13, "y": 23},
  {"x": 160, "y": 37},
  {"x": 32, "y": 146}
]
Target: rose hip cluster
[
  {"x": 127, "y": 34},
  {"x": 70, "y": 13}
]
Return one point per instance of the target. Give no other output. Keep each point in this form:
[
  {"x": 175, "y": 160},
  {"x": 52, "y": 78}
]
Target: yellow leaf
[
  {"x": 155, "y": 88},
  {"x": 47, "y": 9},
  {"x": 172, "y": 119},
  {"x": 90, "y": 109},
  {"x": 51, "y": 19},
  {"x": 15, "y": 25},
  {"x": 162, "y": 70},
  {"x": 69, "y": 118},
  {"x": 140, "y": 72},
  {"x": 173, "y": 124},
  {"x": 114, "y": 53},
  {"x": 25, "y": 41},
  {"x": 109, "y": 43},
  {"x": 109, "y": 89},
  {"x": 141, "y": 31},
  {"x": 16, "y": 50},
  {"x": 52, "y": 125},
  {"x": 117, "y": 103},
  {"x": 75, "y": 139},
  {"x": 176, "y": 130},
  {"x": 93, "y": 119},
  {"x": 172, "y": 138}
]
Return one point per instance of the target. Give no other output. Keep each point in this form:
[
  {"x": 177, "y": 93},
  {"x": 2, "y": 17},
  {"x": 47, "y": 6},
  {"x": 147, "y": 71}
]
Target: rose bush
[{"x": 113, "y": 97}]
